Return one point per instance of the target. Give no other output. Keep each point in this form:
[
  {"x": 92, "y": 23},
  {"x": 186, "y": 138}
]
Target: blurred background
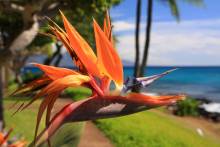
[{"x": 151, "y": 36}]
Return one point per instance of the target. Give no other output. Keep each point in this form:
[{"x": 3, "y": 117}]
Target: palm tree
[
  {"x": 137, "y": 31},
  {"x": 147, "y": 36},
  {"x": 140, "y": 69}
]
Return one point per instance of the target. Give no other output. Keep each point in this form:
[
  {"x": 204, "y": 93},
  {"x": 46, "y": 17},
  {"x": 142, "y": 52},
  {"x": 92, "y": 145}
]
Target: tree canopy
[{"x": 22, "y": 19}]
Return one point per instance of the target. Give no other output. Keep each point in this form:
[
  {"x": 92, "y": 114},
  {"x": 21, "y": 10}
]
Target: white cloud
[
  {"x": 116, "y": 15},
  {"x": 195, "y": 42},
  {"x": 123, "y": 26}
]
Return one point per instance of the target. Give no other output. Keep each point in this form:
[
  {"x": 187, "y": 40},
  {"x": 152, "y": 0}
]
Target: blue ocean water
[{"x": 198, "y": 82}]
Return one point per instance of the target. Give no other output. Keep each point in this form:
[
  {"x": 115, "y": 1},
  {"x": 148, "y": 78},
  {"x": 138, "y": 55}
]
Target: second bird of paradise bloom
[
  {"x": 5, "y": 142},
  {"x": 95, "y": 72}
]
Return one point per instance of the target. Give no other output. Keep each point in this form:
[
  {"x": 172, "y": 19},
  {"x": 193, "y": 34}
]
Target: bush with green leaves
[
  {"x": 186, "y": 107},
  {"x": 30, "y": 76},
  {"x": 77, "y": 93}
]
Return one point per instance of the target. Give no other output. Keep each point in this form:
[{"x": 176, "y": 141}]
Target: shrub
[
  {"x": 77, "y": 93},
  {"x": 30, "y": 76},
  {"x": 186, "y": 107}
]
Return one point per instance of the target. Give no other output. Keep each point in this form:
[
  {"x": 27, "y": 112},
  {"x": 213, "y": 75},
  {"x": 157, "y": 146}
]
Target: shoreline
[
  {"x": 208, "y": 109},
  {"x": 197, "y": 97}
]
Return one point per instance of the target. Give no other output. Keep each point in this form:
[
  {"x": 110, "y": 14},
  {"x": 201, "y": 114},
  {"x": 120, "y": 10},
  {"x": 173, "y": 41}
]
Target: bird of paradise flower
[
  {"x": 4, "y": 142},
  {"x": 95, "y": 72}
]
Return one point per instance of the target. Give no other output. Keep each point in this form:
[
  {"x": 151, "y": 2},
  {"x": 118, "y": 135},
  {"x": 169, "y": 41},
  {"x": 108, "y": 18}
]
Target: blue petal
[{"x": 142, "y": 82}]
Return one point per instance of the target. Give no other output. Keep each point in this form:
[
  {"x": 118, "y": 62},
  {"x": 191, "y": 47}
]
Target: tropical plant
[
  {"x": 140, "y": 67},
  {"x": 5, "y": 142},
  {"x": 187, "y": 107},
  {"x": 95, "y": 73},
  {"x": 22, "y": 19}
]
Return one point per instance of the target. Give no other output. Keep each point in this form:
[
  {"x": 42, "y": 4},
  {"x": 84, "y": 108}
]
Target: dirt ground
[{"x": 93, "y": 137}]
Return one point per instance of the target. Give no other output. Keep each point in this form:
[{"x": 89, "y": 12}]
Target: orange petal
[
  {"x": 105, "y": 84},
  {"x": 47, "y": 102},
  {"x": 49, "y": 109},
  {"x": 41, "y": 110},
  {"x": 59, "y": 85},
  {"x": 20, "y": 143},
  {"x": 32, "y": 85},
  {"x": 67, "y": 81},
  {"x": 58, "y": 120},
  {"x": 1, "y": 138},
  {"x": 63, "y": 38},
  {"x": 52, "y": 91},
  {"x": 4, "y": 138},
  {"x": 154, "y": 100},
  {"x": 55, "y": 72},
  {"x": 108, "y": 58},
  {"x": 18, "y": 109},
  {"x": 107, "y": 27},
  {"x": 81, "y": 48}
]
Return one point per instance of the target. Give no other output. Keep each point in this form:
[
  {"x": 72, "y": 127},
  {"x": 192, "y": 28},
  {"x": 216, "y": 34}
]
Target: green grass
[
  {"x": 66, "y": 136},
  {"x": 152, "y": 130},
  {"x": 78, "y": 93},
  {"x": 24, "y": 124}
]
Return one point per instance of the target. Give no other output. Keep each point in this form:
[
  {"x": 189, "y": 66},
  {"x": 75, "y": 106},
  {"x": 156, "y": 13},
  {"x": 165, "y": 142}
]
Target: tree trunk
[
  {"x": 147, "y": 41},
  {"x": 49, "y": 60},
  {"x": 18, "y": 78},
  {"x": 1, "y": 99},
  {"x": 6, "y": 76},
  {"x": 26, "y": 36},
  {"x": 137, "y": 32},
  {"x": 59, "y": 58}
]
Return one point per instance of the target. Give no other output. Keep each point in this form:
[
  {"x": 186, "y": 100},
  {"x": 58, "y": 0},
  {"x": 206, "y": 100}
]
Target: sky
[{"x": 193, "y": 41}]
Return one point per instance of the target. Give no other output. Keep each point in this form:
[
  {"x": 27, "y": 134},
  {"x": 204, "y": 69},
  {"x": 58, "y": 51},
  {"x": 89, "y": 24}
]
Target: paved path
[{"x": 93, "y": 137}]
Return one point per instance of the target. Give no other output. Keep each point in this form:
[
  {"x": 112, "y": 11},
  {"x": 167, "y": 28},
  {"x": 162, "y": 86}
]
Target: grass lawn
[
  {"x": 78, "y": 94},
  {"x": 152, "y": 129},
  {"x": 23, "y": 122},
  {"x": 24, "y": 125}
]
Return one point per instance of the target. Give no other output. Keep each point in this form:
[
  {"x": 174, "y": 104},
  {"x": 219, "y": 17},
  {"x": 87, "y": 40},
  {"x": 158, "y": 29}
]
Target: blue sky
[{"x": 195, "y": 40}]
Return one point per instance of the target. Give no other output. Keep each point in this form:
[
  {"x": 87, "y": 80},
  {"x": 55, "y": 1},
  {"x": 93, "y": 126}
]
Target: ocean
[{"x": 197, "y": 82}]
